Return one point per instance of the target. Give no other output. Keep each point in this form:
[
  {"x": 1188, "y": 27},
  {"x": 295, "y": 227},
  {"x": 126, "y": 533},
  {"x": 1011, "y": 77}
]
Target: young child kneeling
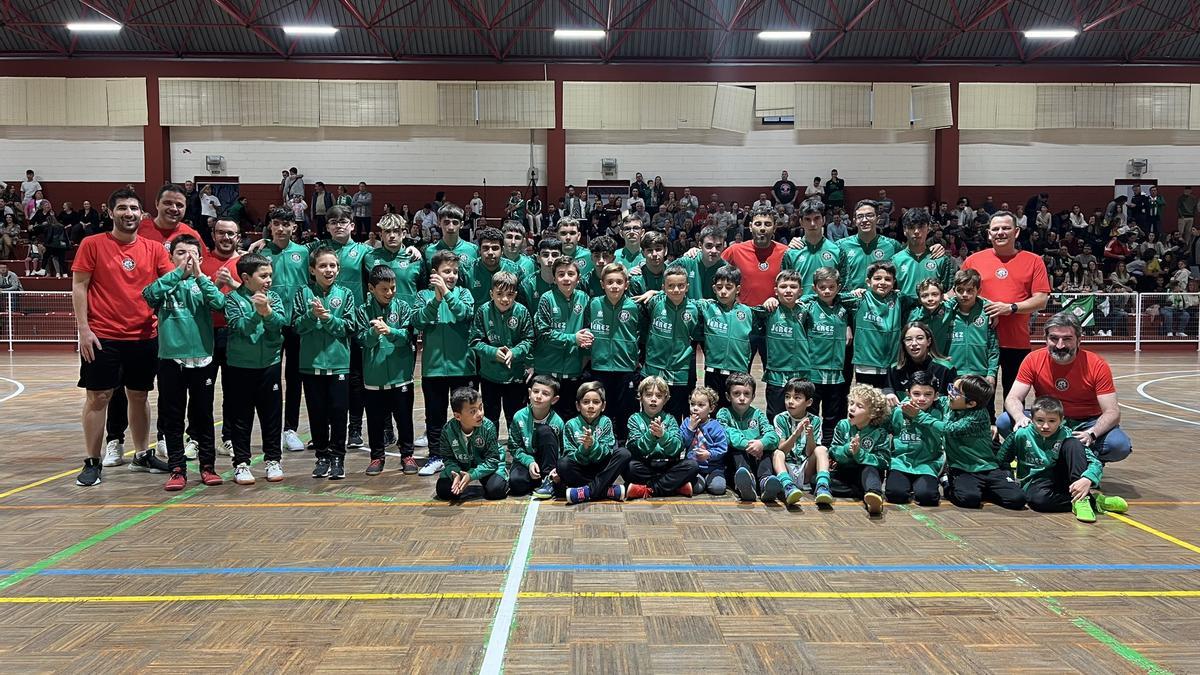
[
  {"x": 470, "y": 450},
  {"x": 655, "y": 468},
  {"x": 861, "y": 445},
  {"x": 1057, "y": 472}
]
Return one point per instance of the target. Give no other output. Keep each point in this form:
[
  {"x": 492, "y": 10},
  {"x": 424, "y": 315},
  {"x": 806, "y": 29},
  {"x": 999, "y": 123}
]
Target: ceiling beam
[
  {"x": 1114, "y": 10},
  {"x": 483, "y": 34},
  {"x": 242, "y": 20},
  {"x": 744, "y": 9},
  {"x": 862, "y": 13},
  {"x": 366, "y": 25},
  {"x": 1012, "y": 33},
  {"x": 99, "y": 8},
  {"x": 637, "y": 21},
  {"x": 983, "y": 15},
  {"x": 36, "y": 34},
  {"x": 1156, "y": 41},
  {"x": 521, "y": 29}
]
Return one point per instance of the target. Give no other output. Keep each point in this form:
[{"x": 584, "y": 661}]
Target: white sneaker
[
  {"x": 160, "y": 449},
  {"x": 191, "y": 449},
  {"x": 242, "y": 475},
  {"x": 1170, "y": 334},
  {"x": 227, "y": 448},
  {"x": 432, "y": 467},
  {"x": 114, "y": 454},
  {"x": 421, "y": 441},
  {"x": 1182, "y": 334},
  {"x": 292, "y": 442},
  {"x": 274, "y": 472}
]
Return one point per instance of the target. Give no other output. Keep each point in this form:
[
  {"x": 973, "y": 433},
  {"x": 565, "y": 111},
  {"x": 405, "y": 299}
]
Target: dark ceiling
[{"x": 649, "y": 31}]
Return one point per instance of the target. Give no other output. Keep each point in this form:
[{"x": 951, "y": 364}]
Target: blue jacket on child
[{"x": 711, "y": 437}]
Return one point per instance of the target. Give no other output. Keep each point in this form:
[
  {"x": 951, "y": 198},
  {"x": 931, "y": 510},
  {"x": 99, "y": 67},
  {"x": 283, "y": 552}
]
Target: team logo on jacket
[
  {"x": 128, "y": 264},
  {"x": 624, "y": 315},
  {"x": 1002, "y": 273},
  {"x": 687, "y": 316},
  {"x": 478, "y": 441},
  {"x": 878, "y": 254},
  {"x": 866, "y": 443},
  {"x": 512, "y": 322},
  {"x": 1061, "y": 384},
  {"x": 827, "y": 256},
  {"x": 335, "y": 302},
  {"x": 195, "y": 290},
  {"x": 578, "y": 308},
  {"x": 979, "y": 321},
  {"x": 741, "y": 315},
  {"x": 764, "y": 266},
  {"x": 295, "y": 257},
  {"x": 753, "y": 424},
  {"x": 403, "y": 264},
  {"x": 462, "y": 258},
  {"x": 353, "y": 253},
  {"x": 930, "y": 265},
  {"x": 393, "y": 317}
]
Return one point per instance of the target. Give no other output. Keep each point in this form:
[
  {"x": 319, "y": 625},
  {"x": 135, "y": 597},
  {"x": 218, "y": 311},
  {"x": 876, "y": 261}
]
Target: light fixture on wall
[
  {"x": 780, "y": 35},
  {"x": 94, "y": 27},
  {"x": 578, "y": 34},
  {"x": 310, "y": 30},
  {"x": 1051, "y": 33}
]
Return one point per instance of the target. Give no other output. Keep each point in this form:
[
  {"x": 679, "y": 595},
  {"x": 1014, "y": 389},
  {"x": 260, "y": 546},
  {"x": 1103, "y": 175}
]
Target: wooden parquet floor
[{"x": 368, "y": 574}]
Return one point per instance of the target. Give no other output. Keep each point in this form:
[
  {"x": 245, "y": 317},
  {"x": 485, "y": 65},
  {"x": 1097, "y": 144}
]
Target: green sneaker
[
  {"x": 1114, "y": 504},
  {"x": 1083, "y": 511},
  {"x": 792, "y": 495}
]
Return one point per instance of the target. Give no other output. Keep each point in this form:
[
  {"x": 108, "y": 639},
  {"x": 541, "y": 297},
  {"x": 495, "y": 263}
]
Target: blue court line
[{"x": 682, "y": 568}]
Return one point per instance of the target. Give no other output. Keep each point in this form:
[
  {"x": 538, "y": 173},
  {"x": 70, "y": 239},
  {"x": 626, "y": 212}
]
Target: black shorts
[{"x": 128, "y": 363}]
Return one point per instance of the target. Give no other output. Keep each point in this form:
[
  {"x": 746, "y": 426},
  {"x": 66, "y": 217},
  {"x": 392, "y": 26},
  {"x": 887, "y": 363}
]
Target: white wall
[
  {"x": 104, "y": 154},
  {"x": 1075, "y": 156},
  {"x": 387, "y": 156},
  {"x": 719, "y": 158}
]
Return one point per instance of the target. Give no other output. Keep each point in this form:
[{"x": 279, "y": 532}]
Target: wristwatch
[{"x": 1013, "y": 307}]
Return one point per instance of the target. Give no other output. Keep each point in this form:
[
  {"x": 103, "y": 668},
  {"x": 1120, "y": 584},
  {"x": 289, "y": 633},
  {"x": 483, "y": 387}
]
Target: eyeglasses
[
  {"x": 953, "y": 391},
  {"x": 865, "y": 216},
  {"x": 225, "y": 234},
  {"x": 342, "y": 222}
]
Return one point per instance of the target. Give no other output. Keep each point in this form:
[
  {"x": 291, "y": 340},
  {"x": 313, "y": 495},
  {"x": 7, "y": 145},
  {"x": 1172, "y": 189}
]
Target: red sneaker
[
  {"x": 208, "y": 476},
  {"x": 176, "y": 482},
  {"x": 686, "y": 489},
  {"x": 636, "y": 491},
  {"x": 409, "y": 465}
]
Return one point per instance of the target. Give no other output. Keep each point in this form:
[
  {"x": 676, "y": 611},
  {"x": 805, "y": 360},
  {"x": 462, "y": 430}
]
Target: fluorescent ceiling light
[
  {"x": 94, "y": 27},
  {"x": 576, "y": 34},
  {"x": 784, "y": 35},
  {"x": 310, "y": 30},
  {"x": 1051, "y": 34}
]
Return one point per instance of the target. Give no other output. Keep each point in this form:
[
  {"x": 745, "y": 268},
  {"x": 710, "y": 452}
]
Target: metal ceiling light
[
  {"x": 94, "y": 27},
  {"x": 310, "y": 30},
  {"x": 578, "y": 34},
  {"x": 1051, "y": 33},
  {"x": 784, "y": 35}
]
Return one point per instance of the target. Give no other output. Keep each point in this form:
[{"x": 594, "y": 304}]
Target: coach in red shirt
[
  {"x": 1016, "y": 285},
  {"x": 118, "y": 336},
  {"x": 1082, "y": 380},
  {"x": 760, "y": 261}
]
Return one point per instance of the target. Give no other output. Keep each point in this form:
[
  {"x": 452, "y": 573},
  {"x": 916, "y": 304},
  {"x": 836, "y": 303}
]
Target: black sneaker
[
  {"x": 375, "y": 467},
  {"x": 389, "y": 437},
  {"x": 91, "y": 473},
  {"x": 148, "y": 462},
  {"x": 337, "y": 468},
  {"x": 354, "y": 440},
  {"x": 321, "y": 468}
]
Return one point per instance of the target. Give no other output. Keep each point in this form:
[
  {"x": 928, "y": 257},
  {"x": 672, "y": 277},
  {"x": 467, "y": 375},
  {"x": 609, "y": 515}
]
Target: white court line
[
  {"x": 1151, "y": 412},
  {"x": 502, "y": 625},
  {"x": 1142, "y": 390},
  {"x": 20, "y": 389}
]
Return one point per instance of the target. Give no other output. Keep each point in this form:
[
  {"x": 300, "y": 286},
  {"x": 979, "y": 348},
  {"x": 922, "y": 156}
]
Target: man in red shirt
[
  {"x": 118, "y": 336},
  {"x": 220, "y": 265},
  {"x": 170, "y": 209},
  {"x": 760, "y": 261},
  {"x": 1082, "y": 380},
  {"x": 1016, "y": 285}
]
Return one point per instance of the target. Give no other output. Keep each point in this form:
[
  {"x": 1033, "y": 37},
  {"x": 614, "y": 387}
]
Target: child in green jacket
[
  {"x": 443, "y": 314},
  {"x": 878, "y": 319},
  {"x": 470, "y": 449},
  {"x": 655, "y": 466},
  {"x": 916, "y": 453},
  {"x": 385, "y": 336},
  {"x": 256, "y": 318},
  {"x": 752, "y": 442},
  {"x": 562, "y": 333},
  {"x": 590, "y": 460},
  {"x": 184, "y": 300},
  {"x": 326, "y": 318},
  {"x": 801, "y": 459},
  {"x": 502, "y": 339},
  {"x": 1057, "y": 471},
  {"x": 782, "y": 321},
  {"x": 728, "y": 325},
  {"x": 535, "y": 440},
  {"x": 673, "y": 328},
  {"x": 862, "y": 446},
  {"x": 614, "y": 320}
]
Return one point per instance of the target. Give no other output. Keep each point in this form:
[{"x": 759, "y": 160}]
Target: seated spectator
[
  {"x": 9, "y": 281},
  {"x": 33, "y": 260},
  {"x": 1177, "y": 311}
]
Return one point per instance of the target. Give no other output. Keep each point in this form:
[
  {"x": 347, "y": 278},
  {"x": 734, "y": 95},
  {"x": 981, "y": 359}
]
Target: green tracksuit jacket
[
  {"x": 520, "y": 438},
  {"x": 787, "y": 345},
  {"x": 479, "y": 278},
  {"x": 968, "y": 435},
  {"x": 352, "y": 257},
  {"x": 916, "y": 450},
  {"x": 700, "y": 278},
  {"x": 478, "y": 455},
  {"x": 604, "y": 443},
  {"x": 388, "y": 360},
  {"x": 493, "y": 329},
  {"x": 289, "y": 272},
  {"x": 727, "y": 335},
  {"x": 858, "y": 257},
  {"x": 446, "y": 325},
  {"x": 753, "y": 425},
  {"x": 531, "y": 290},
  {"x": 785, "y": 425},
  {"x": 184, "y": 309},
  {"x": 617, "y": 330},
  {"x": 874, "y": 445},
  {"x": 642, "y": 443},
  {"x": 557, "y": 320},
  {"x": 974, "y": 347},
  {"x": 940, "y": 322},
  {"x": 465, "y": 250},
  {"x": 825, "y": 327},
  {"x": 325, "y": 343},
  {"x": 912, "y": 270},
  {"x": 805, "y": 261},
  {"x": 1037, "y": 456},
  {"x": 646, "y": 281},
  {"x": 878, "y": 323},
  {"x": 254, "y": 341},
  {"x": 411, "y": 275},
  {"x": 671, "y": 331}
]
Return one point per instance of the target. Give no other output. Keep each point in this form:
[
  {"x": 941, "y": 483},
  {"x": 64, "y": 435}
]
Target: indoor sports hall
[{"x": 157, "y": 155}]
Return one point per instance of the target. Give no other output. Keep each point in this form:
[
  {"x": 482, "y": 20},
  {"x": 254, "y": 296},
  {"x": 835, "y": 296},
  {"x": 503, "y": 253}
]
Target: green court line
[
  {"x": 1129, "y": 654},
  {"x": 71, "y": 551}
]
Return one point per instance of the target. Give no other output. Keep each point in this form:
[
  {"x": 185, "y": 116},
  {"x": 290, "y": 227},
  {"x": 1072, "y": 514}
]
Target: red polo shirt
[
  {"x": 148, "y": 230},
  {"x": 116, "y": 309},
  {"x": 759, "y": 268},
  {"x": 210, "y": 265},
  {"x": 1008, "y": 280},
  {"x": 1076, "y": 384}
]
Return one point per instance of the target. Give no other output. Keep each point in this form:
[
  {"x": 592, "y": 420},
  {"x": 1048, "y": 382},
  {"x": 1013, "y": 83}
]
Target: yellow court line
[
  {"x": 69, "y": 472},
  {"x": 1158, "y": 533},
  {"x": 558, "y": 595}
]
